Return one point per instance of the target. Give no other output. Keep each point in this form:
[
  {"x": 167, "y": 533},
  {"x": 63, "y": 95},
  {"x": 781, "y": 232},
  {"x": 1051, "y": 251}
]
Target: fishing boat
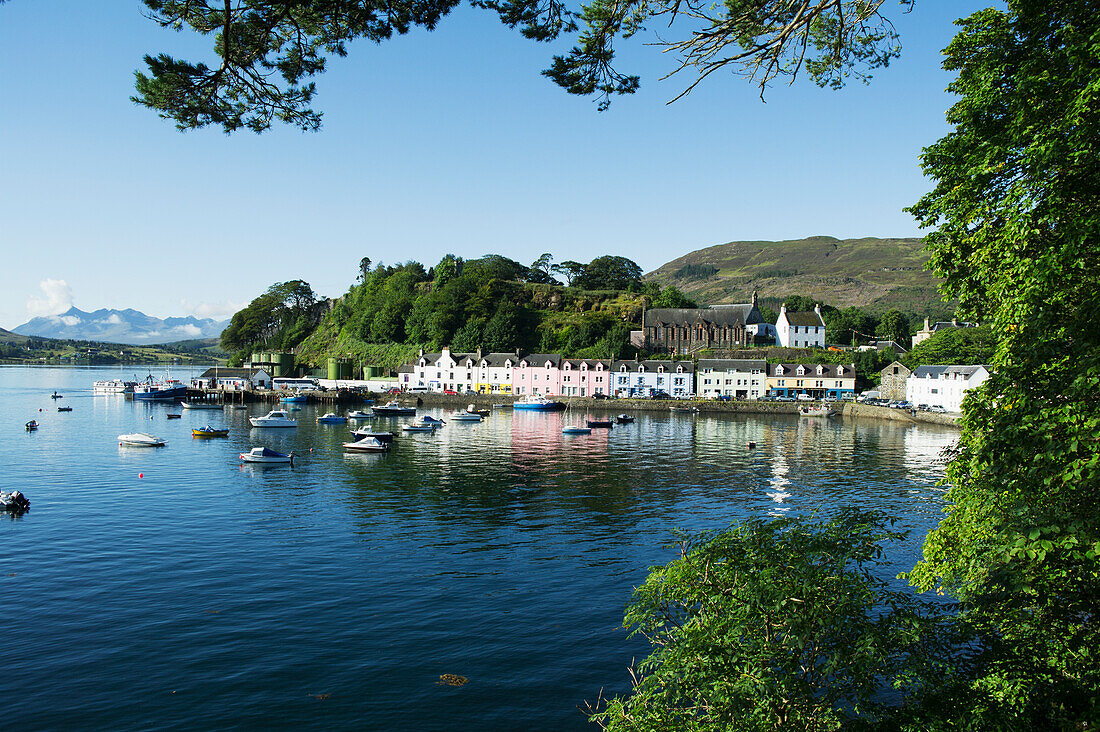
[
  {"x": 274, "y": 418},
  {"x": 393, "y": 409},
  {"x": 603, "y": 423},
  {"x": 472, "y": 409},
  {"x": 200, "y": 405},
  {"x": 209, "y": 431},
  {"x": 266, "y": 455},
  {"x": 539, "y": 404},
  {"x": 31, "y": 426},
  {"x": 359, "y": 414},
  {"x": 367, "y": 444},
  {"x": 818, "y": 411},
  {"x": 624, "y": 419},
  {"x": 113, "y": 386},
  {"x": 426, "y": 423},
  {"x": 576, "y": 430},
  {"x": 164, "y": 390},
  {"x": 64, "y": 409},
  {"x": 465, "y": 417},
  {"x": 295, "y": 399},
  {"x": 380, "y": 436},
  {"x": 140, "y": 439},
  {"x": 331, "y": 418}
]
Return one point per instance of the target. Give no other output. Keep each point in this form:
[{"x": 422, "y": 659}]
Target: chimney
[
  {"x": 926, "y": 323},
  {"x": 479, "y": 353},
  {"x": 783, "y": 309},
  {"x": 754, "y": 298},
  {"x": 817, "y": 309},
  {"x": 421, "y": 355}
]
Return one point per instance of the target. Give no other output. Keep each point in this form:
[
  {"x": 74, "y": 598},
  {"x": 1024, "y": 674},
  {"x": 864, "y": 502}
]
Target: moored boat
[
  {"x": 538, "y": 403},
  {"x": 295, "y": 399},
  {"x": 209, "y": 431},
  {"x": 624, "y": 419},
  {"x": 266, "y": 455},
  {"x": 472, "y": 409},
  {"x": 367, "y": 444},
  {"x": 200, "y": 405},
  {"x": 175, "y": 415},
  {"x": 64, "y": 409},
  {"x": 274, "y": 418},
  {"x": 393, "y": 409},
  {"x": 55, "y": 395},
  {"x": 32, "y": 425},
  {"x": 426, "y": 423},
  {"x": 606, "y": 423},
  {"x": 380, "y": 436},
  {"x": 165, "y": 390},
  {"x": 358, "y": 414},
  {"x": 331, "y": 418},
  {"x": 573, "y": 429},
  {"x": 819, "y": 411},
  {"x": 113, "y": 386},
  {"x": 140, "y": 439},
  {"x": 465, "y": 417}
]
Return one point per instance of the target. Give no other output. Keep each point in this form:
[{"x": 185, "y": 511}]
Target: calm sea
[{"x": 334, "y": 594}]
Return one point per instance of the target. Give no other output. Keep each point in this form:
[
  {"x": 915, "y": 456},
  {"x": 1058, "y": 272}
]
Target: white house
[
  {"x": 731, "y": 378},
  {"x": 645, "y": 378},
  {"x": 494, "y": 373},
  {"x": 943, "y": 386},
  {"x": 800, "y": 330},
  {"x": 445, "y": 371}
]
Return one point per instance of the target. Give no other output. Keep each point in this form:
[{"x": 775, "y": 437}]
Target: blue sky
[{"x": 432, "y": 143}]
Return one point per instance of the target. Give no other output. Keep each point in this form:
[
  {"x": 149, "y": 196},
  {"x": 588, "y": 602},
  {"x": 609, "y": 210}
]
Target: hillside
[{"x": 872, "y": 273}]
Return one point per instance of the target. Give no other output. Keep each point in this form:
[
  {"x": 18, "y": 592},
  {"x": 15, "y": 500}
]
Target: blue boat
[
  {"x": 165, "y": 390},
  {"x": 538, "y": 403},
  {"x": 297, "y": 399}
]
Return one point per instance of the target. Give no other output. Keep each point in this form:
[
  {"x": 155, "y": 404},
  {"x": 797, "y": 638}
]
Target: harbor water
[{"x": 174, "y": 588}]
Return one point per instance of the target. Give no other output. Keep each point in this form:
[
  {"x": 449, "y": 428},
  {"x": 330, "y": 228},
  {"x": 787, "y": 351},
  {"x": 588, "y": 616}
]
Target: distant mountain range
[
  {"x": 121, "y": 326},
  {"x": 871, "y": 273}
]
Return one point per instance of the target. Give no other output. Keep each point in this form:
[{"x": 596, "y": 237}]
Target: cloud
[
  {"x": 215, "y": 310},
  {"x": 190, "y": 330},
  {"x": 113, "y": 319},
  {"x": 58, "y": 299},
  {"x": 69, "y": 320}
]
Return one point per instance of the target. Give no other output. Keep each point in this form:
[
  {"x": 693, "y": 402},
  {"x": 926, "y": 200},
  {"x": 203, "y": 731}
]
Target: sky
[{"x": 432, "y": 143}]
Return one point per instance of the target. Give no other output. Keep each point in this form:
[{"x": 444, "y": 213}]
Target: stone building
[
  {"x": 893, "y": 381},
  {"x": 685, "y": 331}
]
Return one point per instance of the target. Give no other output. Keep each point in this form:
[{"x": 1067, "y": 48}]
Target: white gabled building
[
  {"x": 645, "y": 378},
  {"x": 731, "y": 378},
  {"x": 944, "y": 386},
  {"x": 494, "y": 373},
  {"x": 445, "y": 371},
  {"x": 800, "y": 330}
]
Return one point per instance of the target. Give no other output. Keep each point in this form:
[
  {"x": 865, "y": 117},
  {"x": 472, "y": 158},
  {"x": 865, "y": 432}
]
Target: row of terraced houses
[{"x": 551, "y": 374}]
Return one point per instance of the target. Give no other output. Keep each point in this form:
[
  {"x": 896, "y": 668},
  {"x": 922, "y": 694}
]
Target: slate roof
[
  {"x": 575, "y": 363},
  {"x": 498, "y": 359},
  {"x": 883, "y": 345},
  {"x": 829, "y": 372},
  {"x": 652, "y": 365},
  {"x": 224, "y": 372},
  {"x": 930, "y": 371},
  {"x": 805, "y": 318},
  {"x": 720, "y": 315},
  {"x": 538, "y": 359}
]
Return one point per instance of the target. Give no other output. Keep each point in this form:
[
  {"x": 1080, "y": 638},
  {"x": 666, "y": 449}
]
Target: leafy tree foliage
[
  {"x": 894, "y": 326},
  {"x": 570, "y": 270},
  {"x": 280, "y": 318},
  {"x": 955, "y": 345},
  {"x": 609, "y": 273},
  {"x": 1015, "y": 204},
  {"x": 777, "y": 625}
]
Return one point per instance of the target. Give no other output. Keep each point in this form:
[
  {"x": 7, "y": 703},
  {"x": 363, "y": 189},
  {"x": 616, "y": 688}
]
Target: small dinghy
[
  {"x": 367, "y": 444},
  {"x": 140, "y": 439},
  {"x": 599, "y": 423},
  {"x": 209, "y": 431},
  {"x": 266, "y": 455},
  {"x": 171, "y": 415},
  {"x": 32, "y": 426},
  {"x": 624, "y": 419},
  {"x": 14, "y": 502},
  {"x": 64, "y": 409},
  {"x": 359, "y": 414},
  {"x": 576, "y": 430},
  {"x": 331, "y": 418},
  {"x": 380, "y": 436}
]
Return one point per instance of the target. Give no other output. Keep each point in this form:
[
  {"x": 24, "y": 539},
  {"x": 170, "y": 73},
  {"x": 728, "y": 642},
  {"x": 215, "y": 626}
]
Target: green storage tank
[
  {"x": 257, "y": 357},
  {"x": 373, "y": 372},
  {"x": 346, "y": 366},
  {"x": 333, "y": 369},
  {"x": 284, "y": 364}
]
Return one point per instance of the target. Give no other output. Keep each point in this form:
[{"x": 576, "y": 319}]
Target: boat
[
  {"x": 165, "y": 390},
  {"x": 750, "y": 445},
  {"x": 239, "y": 406},
  {"x": 31, "y": 426},
  {"x": 820, "y": 411},
  {"x": 295, "y": 399},
  {"x": 380, "y": 436},
  {"x": 465, "y": 417},
  {"x": 472, "y": 409},
  {"x": 624, "y": 419},
  {"x": 367, "y": 444},
  {"x": 426, "y": 423},
  {"x": 576, "y": 430},
  {"x": 538, "y": 403},
  {"x": 266, "y": 455},
  {"x": 600, "y": 423},
  {"x": 274, "y": 418},
  {"x": 64, "y": 409},
  {"x": 55, "y": 395},
  {"x": 359, "y": 414},
  {"x": 14, "y": 502},
  {"x": 331, "y": 418},
  {"x": 113, "y": 386},
  {"x": 172, "y": 415},
  {"x": 393, "y": 409},
  {"x": 200, "y": 405},
  {"x": 209, "y": 431},
  {"x": 141, "y": 439}
]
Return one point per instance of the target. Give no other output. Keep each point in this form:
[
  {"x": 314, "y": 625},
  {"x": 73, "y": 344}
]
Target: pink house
[
  {"x": 537, "y": 373},
  {"x": 585, "y": 377}
]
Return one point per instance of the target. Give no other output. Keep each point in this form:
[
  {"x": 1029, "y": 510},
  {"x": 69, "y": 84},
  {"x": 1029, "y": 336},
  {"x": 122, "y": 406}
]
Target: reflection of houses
[
  {"x": 930, "y": 330},
  {"x": 585, "y": 377},
  {"x": 645, "y": 378},
  {"x": 239, "y": 379},
  {"x": 893, "y": 381},
  {"x": 494, "y": 373},
  {"x": 537, "y": 373},
  {"x": 944, "y": 386},
  {"x": 800, "y": 330},
  {"x": 732, "y": 378},
  {"x": 687, "y": 330},
  {"x": 818, "y": 380}
]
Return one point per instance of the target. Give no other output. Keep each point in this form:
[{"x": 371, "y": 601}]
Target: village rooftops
[
  {"x": 225, "y": 372},
  {"x": 719, "y": 315},
  {"x": 824, "y": 370},
  {"x": 808, "y": 318},
  {"x": 652, "y": 365},
  {"x": 540, "y": 359}
]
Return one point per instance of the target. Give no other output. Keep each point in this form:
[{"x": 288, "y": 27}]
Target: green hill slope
[{"x": 871, "y": 273}]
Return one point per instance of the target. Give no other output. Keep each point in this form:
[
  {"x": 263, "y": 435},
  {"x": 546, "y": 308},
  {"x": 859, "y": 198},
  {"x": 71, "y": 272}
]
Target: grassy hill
[{"x": 872, "y": 273}]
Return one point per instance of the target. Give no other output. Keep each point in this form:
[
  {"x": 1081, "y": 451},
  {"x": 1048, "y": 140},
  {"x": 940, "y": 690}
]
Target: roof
[
  {"x": 652, "y": 366},
  {"x": 740, "y": 364},
  {"x": 498, "y": 359},
  {"x": 541, "y": 358},
  {"x": 804, "y": 318},
  {"x": 224, "y": 372},
  {"x": 893, "y": 365},
  {"x": 930, "y": 371},
  {"x": 720, "y": 315},
  {"x": 405, "y": 368},
  {"x": 576, "y": 363},
  {"x": 830, "y": 369},
  {"x": 883, "y": 345}
]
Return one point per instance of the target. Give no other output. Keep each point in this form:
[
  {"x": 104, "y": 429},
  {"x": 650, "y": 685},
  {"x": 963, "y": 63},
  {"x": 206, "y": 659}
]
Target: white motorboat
[
  {"x": 274, "y": 418},
  {"x": 200, "y": 405},
  {"x": 331, "y": 418},
  {"x": 421, "y": 426},
  {"x": 465, "y": 417},
  {"x": 140, "y": 439},
  {"x": 575, "y": 430},
  {"x": 359, "y": 414},
  {"x": 113, "y": 386},
  {"x": 266, "y": 455},
  {"x": 367, "y": 432},
  {"x": 367, "y": 444}
]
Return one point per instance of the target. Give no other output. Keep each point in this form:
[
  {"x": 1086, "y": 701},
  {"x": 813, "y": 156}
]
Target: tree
[
  {"x": 894, "y": 326},
  {"x": 1016, "y": 211},
  {"x": 364, "y": 268},
  {"x": 609, "y": 273},
  {"x": 540, "y": 269},
  {"x": 670, "y": 297},
  {"x": 570, "y": 270},
  {"x": 267, "y": 52},
  {"x": 777, "y": 624},
  {"x": 954, "y": 346}
]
